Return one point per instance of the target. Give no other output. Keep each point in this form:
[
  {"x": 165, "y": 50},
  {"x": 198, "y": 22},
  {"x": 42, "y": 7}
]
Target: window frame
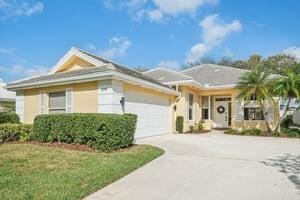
[
  {"x": 57, "y": 108},
  {"x": 205, "y": 108},
  {"x": 190, "y": 107},
  {"x": 255, "y": 111}
]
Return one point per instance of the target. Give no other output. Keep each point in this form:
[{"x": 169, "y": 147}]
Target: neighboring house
[
  {"x": 7, "y": 99},
  {"x": 83, "y": 82}
]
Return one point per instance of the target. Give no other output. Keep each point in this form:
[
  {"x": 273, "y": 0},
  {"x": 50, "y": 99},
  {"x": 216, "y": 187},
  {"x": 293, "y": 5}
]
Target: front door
[{"x": 222, "y": 112}]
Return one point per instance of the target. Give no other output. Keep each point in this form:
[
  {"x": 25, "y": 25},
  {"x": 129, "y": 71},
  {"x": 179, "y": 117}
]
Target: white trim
[
  {"x": 75, "y": 52},
  {"x": 20, "y": 105},
  {"x": 70, "y": 90},
  {"x": 42, "y": 108},
  {"x": 93, "y": 77},
  {"x": 188, "y": 107},
  {"x": 203, "y": 87}
]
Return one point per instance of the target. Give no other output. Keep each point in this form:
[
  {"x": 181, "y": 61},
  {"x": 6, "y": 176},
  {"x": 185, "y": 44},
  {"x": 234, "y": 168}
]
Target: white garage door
[{"x": 152, "y": 112}]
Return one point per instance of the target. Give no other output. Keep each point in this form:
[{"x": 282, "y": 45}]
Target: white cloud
[
  {"x": 8, "y": 51},
  {"x": 170, "y": 64},
  {"x": 214, "y": 31},
  {"x": 174, "y": 7},
  {"x": 158, "y": 10},
  {"x": 118, "y": 47},
  {"x": 21, "y": 71},
  {"x": 15, "y": 8},
  {"x": 293, "y": 51}
]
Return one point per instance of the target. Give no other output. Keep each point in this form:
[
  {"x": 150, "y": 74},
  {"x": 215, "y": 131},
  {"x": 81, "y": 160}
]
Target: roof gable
[{"x": 75, "y": 59}]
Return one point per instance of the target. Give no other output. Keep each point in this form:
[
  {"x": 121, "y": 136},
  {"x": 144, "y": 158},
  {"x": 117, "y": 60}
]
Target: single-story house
[
  {"x": 84, "y": 82},
  {"x": 7, "y": 98}
]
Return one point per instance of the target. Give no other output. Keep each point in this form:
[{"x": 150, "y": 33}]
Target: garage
[{"x": 152, "y": 111}]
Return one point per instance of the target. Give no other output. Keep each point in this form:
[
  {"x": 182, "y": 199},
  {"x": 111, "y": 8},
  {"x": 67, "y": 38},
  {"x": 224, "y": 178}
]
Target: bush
[
  {"x": 191, "y": 129},
  {"x": 251, "y": 131},
  {"x": 288, "y": 132},
  {"x": 286, "y": 122},
  {"x": 9, "y": 117},
  {"x": 200, "y": 125},
  {"x": 231, "y": 131},
  {"x": 101, "y": 131},
  {"x": 14, "y": 132},
  {"x": 179, "y": 124}
]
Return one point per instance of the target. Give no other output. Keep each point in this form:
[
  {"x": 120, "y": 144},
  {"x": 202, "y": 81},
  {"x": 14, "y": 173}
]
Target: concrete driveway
[{"x": 214, "y": 166}]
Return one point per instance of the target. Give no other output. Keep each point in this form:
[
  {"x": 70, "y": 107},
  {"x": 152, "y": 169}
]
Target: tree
[
  {"x": 280, "y": 63},
  {"x": 287, "y": 87},
  {"x": 257, "y": 82}
]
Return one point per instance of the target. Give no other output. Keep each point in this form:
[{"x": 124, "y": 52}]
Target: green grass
[{"x": 30, "y": 171}]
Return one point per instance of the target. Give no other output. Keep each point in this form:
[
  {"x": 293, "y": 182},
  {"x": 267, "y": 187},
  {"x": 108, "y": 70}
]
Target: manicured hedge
[
  {"x": 9, "y": 117},
  {"x": 14, "y": 132},
  {"x": 101, "y": 131},
  {"x": 179, "y": 124}
]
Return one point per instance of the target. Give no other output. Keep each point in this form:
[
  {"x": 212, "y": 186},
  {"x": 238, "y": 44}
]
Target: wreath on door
[{"x": 221, "y": 109}]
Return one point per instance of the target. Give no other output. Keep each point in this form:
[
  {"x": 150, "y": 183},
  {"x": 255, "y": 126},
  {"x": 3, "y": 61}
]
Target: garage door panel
[{"x": 152, "y": 112}]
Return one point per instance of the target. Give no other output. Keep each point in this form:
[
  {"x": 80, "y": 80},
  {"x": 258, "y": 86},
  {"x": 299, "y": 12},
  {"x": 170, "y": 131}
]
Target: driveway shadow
[{"x": 288, "y": 164}]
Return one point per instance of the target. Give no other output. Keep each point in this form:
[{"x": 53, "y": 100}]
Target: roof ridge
[
  {"x": 170, "y": 70},
  {"x": 214, "y": 65},
  {"x": 194, "y": 67}
]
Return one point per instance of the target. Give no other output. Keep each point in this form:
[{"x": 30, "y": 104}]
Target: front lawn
[{"x": 30, "y": 171}]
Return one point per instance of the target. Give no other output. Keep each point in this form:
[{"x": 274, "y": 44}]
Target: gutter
[{"x": 91, "y": 77}]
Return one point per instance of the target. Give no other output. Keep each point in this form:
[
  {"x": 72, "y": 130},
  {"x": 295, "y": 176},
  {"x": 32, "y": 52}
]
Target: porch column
[{"x": 209, "y": 108}]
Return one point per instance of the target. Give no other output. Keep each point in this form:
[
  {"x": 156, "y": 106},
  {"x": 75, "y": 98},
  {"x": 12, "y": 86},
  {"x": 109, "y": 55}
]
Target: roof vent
[
  {"x": 206, "y": 85},
  {"x": 217, "y": 70}
]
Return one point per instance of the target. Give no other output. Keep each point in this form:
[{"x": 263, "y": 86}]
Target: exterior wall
[
  {"x": 260, "y": 124},
  {"x": 74, "y": 63},
  {"x": 181, "y": 104},
  {"x": 84, "y": 99},
  {"x": 110, "y": 93}
]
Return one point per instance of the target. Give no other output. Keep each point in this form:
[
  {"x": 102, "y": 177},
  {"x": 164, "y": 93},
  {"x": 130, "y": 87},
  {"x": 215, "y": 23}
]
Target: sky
[{"x": 35, "y": 34}]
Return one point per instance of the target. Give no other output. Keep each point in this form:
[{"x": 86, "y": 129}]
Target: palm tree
[
  {"x": 287, "y": 87},
  {"x": 257, "y": 82}
]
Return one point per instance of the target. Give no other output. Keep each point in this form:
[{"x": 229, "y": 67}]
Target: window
[
  {"x": 191, "y": 106},
  {"x": 253, "y": 113},
  {"x": 205, "y": 106},
  {"x": 57, "y": 102}
]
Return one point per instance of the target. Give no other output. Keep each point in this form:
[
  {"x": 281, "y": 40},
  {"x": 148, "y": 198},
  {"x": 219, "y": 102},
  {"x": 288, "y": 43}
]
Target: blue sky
[{"x": 34, "y": 34}]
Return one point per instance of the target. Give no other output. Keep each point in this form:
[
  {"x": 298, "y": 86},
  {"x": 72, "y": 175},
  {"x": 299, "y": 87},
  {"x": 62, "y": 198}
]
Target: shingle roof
[
  {"x": 124, "y": 70},
  {"x": 109, "y": 66},
  {"x": 166, "y": 75},
  {"x": 214, "y": 75}
]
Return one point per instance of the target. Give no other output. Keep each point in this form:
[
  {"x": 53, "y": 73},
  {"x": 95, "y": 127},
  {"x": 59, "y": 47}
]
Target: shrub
[
  {"x": 14, "y": 132},
  {"x": 191, "y": 129},
  {"x": 179, "y": 124},
  {"x": 200, "y": 125},
  {"x": 231, "y": 131},
  {"x": 288, "y": 132},
  {"x": 101, "y": 131},
  {"x": 9, "y": 117},
  {"x": 251, "y": 131},
  {"x": 286, "y": 122}
]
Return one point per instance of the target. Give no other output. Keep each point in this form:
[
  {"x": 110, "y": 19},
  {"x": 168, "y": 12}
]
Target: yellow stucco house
[{"x": 84, "y": 83}]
